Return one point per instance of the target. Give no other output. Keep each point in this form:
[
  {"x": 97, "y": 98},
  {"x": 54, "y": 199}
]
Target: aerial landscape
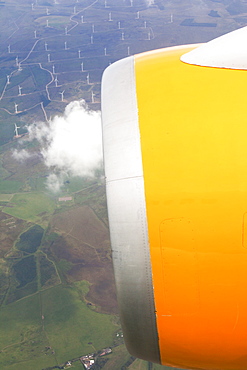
[{"x": 58, "y": 306}]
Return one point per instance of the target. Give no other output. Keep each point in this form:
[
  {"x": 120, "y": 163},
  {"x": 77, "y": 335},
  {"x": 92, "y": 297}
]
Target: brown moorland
[{"x": 84, "y": 242}]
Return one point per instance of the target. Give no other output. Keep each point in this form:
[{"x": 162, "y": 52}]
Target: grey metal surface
[{"x": 127, "y": 210}]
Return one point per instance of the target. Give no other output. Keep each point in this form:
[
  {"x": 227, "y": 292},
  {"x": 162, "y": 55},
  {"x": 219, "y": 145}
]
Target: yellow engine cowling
[{"x": 175, "y": 150}]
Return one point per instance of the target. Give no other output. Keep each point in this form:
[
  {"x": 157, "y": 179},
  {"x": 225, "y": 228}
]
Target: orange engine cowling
[{"x": 175, "y": 150}]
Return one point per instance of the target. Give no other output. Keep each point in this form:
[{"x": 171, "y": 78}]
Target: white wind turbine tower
[
  {"x": 79, "y": 53},
  {"x": 47, "y": 23},
  {"x": 65, "y": 45},
  {"x": 88, "y": 78},
  {"x": 137, "y": 15},
  {"x": 92, "y": 97},
  {"x": 8, "y": 77},
  {"x": 8, "y": 48},
  {"x": 62, "y": 93},
  {"x": 47, "y": 11},
  {"x": 82, "y": 19},
  {"x": 122, "y": 37},
  {"x": 56, "y": 81},
  {"x": 19, "y": 88},
  {"x": 46, "y": 46},
  {"x": 66, "y": 30},
  {"x": 49, "y": 58},
  {"x": 91, "y": 39},
  {"x": 16, "y": 130},
  {"x": 32, "y": 6},
  {"x": 35, "y": 34},
  {"x": 82, "y": 67},
  {"x": 16, "y": 108},
  {"x": 131, "y": 2},
  {"x": 53, "y": 69},
  {"x": 110, "y": 18},
  {"x": 17, "y": 61}
]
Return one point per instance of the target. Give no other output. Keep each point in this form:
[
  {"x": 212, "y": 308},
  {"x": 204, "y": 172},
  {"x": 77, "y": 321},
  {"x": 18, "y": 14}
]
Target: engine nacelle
[{"x": 175, "y": 150}]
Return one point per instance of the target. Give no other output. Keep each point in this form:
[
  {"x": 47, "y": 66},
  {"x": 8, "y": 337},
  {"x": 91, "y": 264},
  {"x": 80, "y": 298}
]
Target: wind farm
[
  {"x": 84, "y": 38},
  {"x": 58, "y": 294}
]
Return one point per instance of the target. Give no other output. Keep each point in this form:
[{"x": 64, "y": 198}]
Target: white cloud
[
  {"x": 21, "y": 155},
  {"x": 71, "y": 145},
  {"x": 55, "y": 182}
]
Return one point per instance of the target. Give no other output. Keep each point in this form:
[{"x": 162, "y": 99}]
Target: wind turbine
[
  {"x": 19, "y": 88},
  {"x": 8, "y": 48},
  {"x": 16, "y": 130},
  {"x": 110, "y": 18},
  {"x": 65, "y": 45},
  {"x": 122, "y": 37},
  {"x": 53, "y": 69},
  {"x": 8, "y": 77},
  {"x": 46, "y": 46},
  {"x": 35, "y": 34},
  {"x": 91, "y": 39},
  {"x": 88, "y": 78},
  {"x": 49, "y": 58},
  {"x": 47, "y": 23},
  {"x": 16, "y": 108},
  {"x": 79, "y": 53},
  {"x": 82, "y": 67},
  {"x": 92, "y": 97},
  {"x": 56, "y": 81},
  {"x": 62, "y": 94},
  {"x": 137, "y": 15}
]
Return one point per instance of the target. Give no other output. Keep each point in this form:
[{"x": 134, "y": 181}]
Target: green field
[
  {"x": 7, "y": 186},
  {"x": 31, "y": 206},
  {"x": 68, "y": 327},
  {"x": 5, "y": 197}
]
